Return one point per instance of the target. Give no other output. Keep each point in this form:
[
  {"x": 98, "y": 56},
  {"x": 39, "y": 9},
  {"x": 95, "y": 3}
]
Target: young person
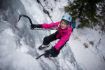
[{"x": 64, "y": 30}]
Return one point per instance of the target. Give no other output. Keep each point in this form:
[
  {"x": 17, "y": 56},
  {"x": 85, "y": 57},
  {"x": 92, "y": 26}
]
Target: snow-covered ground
[
  {"x": 92, "y": 58},
  {"x": 19, "y": 44}
]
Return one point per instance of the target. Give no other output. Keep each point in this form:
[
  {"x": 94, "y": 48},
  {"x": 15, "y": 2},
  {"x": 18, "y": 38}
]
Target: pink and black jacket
[{"x": 63, "y": 34}]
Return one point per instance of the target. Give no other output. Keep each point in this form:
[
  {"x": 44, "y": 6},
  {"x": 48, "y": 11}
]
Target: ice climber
[{"x": 64, "y": 30}]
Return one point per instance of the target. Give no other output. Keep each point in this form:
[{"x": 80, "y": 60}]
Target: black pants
[{"x": 49, "y": 38}]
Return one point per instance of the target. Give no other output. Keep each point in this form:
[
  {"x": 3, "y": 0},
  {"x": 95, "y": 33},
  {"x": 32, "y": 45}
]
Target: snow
[
  {"x": 19, "y": 61},
  {"x": 87, "y": 56},
  {"x": 10, "y": 57},
  {"x": 19, "y": 46},
  {"x": 23, "y": 47},
  {"x": 33, "y": 10}
]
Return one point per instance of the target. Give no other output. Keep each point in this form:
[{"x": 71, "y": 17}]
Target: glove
[
  {"x": 51, "y": 52},
  {"x": 36, "y": 26}
]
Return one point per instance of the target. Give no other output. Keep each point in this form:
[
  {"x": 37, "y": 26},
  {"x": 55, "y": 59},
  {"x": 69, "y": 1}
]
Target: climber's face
[{"x": 63, "y": 25}]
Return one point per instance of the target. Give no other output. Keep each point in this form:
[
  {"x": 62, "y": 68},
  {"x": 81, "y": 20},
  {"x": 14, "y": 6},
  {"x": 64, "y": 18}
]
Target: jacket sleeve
[
  {"x": 51, "y": 25},
  {"x": 63, "y": 40}
]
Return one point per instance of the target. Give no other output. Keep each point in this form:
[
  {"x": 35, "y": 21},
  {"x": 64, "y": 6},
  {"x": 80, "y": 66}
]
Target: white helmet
[{"x": 67, "y": 17}]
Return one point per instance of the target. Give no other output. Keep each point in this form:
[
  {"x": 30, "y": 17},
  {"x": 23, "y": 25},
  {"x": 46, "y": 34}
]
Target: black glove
[
  {"x": 36, "y": 26},
  {"x": 51, "y": 52}
]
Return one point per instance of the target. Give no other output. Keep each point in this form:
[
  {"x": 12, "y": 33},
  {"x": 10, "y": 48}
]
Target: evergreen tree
[{"x": 87, "y": 10}]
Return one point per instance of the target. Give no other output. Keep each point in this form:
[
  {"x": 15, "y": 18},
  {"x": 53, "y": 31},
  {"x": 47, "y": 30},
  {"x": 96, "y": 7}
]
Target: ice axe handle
[{"x": 40, "y": 56}]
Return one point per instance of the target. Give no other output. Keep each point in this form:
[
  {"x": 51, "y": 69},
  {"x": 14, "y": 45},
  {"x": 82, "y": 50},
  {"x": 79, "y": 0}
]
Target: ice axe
[
  {"x": 25, "y": 17},
  {"x": 20, "y": 16},
  {"x": 40, "y": 56}
]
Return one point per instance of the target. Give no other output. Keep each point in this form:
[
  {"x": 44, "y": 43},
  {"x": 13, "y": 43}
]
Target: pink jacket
[{"x": 63, "y": 34}]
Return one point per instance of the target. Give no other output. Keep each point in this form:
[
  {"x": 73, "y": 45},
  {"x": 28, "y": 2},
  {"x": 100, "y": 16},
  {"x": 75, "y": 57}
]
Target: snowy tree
[{"x": 89, "y": 11}]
